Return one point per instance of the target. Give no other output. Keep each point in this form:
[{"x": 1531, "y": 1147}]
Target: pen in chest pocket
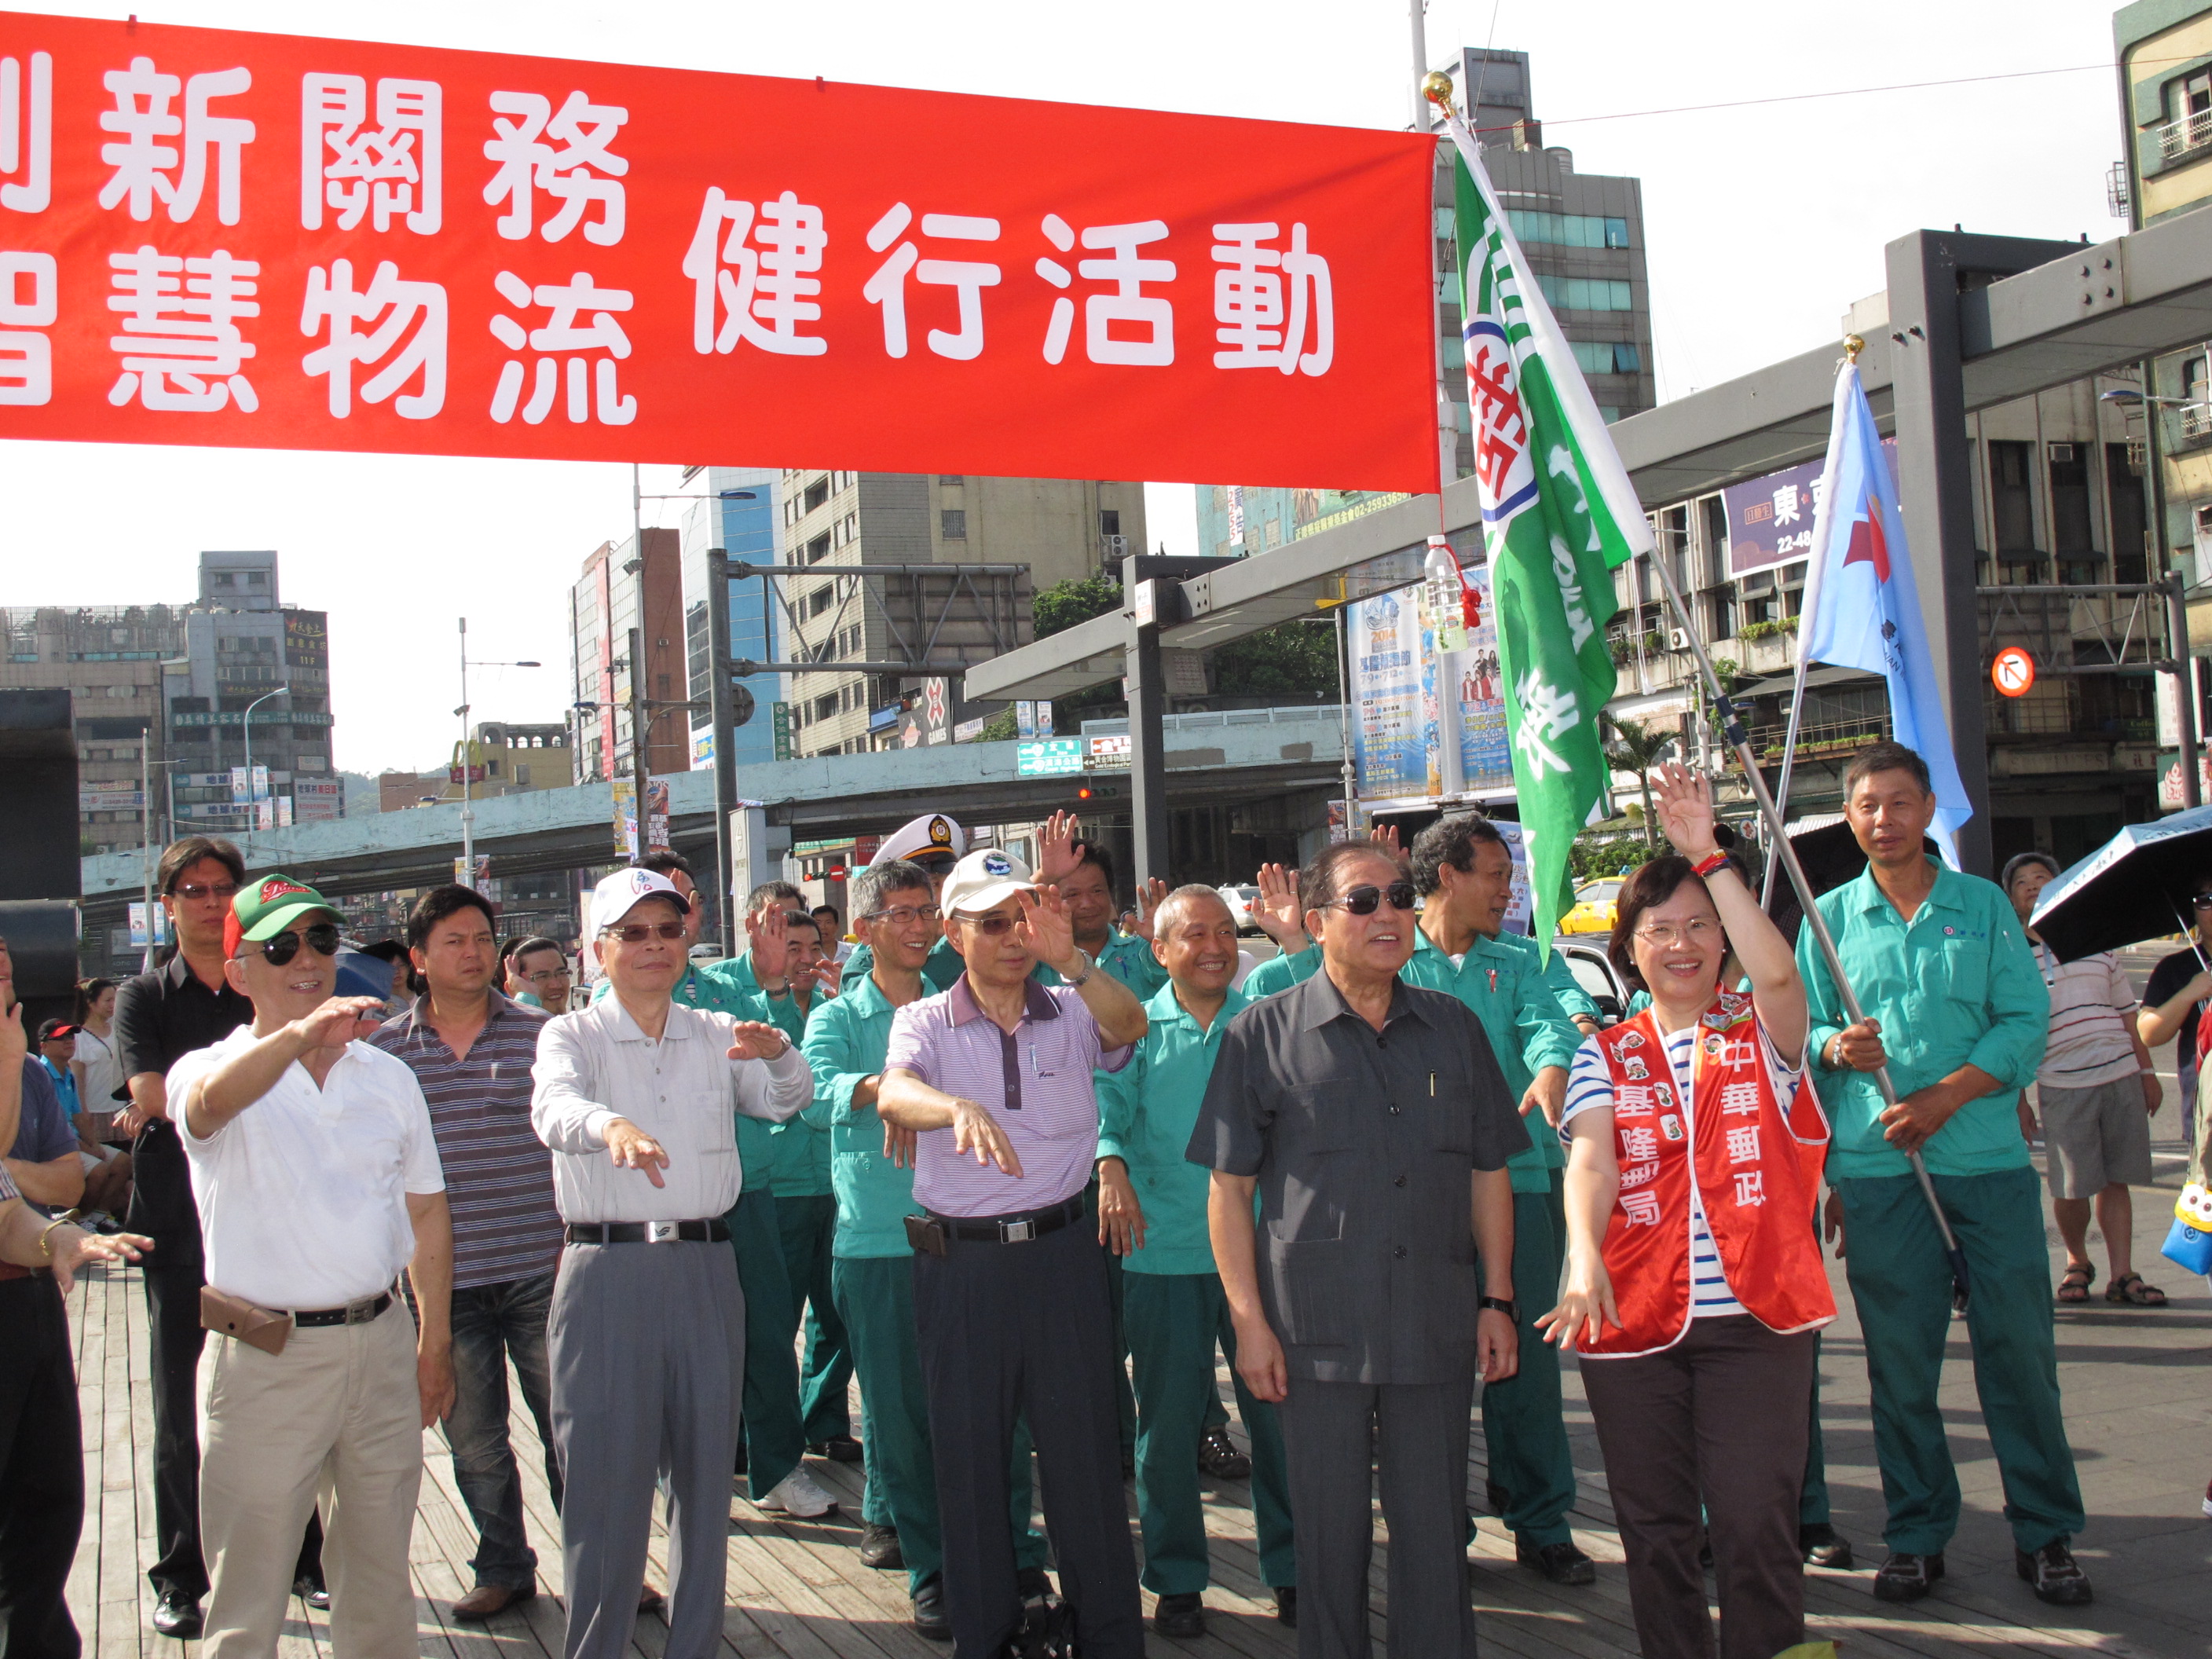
[{"x": 1432, "y": 1086}]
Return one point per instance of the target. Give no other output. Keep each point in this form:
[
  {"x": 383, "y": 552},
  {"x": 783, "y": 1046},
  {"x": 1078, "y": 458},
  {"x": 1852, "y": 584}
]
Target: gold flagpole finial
[
  {"x": 1853, "y": 344},
  {"x": 1436, "y": 88}
]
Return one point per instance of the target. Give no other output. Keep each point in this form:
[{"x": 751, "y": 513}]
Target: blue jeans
[{"x": 492, "y": 1324}]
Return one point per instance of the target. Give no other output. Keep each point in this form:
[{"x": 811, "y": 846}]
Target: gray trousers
[
  {"x": 1419, "y": 1438},
  {"x": 647, "y": 1345}
]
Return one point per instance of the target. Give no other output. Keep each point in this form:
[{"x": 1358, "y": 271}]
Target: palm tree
[{"x": 1636, "y": 748}]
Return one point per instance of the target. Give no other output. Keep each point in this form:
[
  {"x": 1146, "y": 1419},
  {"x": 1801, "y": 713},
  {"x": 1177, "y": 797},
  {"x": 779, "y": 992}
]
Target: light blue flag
[{"x": 1863, "y": 609}]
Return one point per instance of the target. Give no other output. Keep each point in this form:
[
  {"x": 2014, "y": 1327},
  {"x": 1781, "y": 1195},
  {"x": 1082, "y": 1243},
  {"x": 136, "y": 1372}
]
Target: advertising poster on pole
[
  {"x": 1389, "y": 747},
  {"x": 1485, "y": 763}
]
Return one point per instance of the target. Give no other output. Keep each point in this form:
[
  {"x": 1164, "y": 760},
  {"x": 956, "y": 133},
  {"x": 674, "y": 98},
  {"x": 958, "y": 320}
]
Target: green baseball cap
[{"x": 264, "y": 908}]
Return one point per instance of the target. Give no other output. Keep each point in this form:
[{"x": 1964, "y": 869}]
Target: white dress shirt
[
  {"x": 597, "y": 1065},
  {"x": 303, "y": 1196}
]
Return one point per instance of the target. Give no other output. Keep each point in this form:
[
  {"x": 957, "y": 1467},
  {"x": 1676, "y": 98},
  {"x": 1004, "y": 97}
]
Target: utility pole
[
  {"x": 640, "y": 723},
  {"x": 468, "y": 791},
  {"x": 2185, "y": 698},
  {"x": 146, "y": 841},
  {"x": 723, "y": 711}
]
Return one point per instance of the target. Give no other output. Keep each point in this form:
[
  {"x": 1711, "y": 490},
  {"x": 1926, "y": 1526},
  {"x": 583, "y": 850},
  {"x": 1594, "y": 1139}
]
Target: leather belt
[
  {"x": 354, "y": 1313},
  {"x": 9, "y": 1270},
  {"x": 1012, "y": 1229},
  {"x": 649, "y": 1232}
]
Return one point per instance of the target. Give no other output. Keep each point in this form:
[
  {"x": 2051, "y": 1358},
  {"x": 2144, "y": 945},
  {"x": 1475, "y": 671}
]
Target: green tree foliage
[
  {"x": 1636, "y": 748},
  {"x": 1608, "y": 855},
  {"x": 1294, "y": 661},
  {"x": 1076, "y": 600},
  {"x": 1000, "y": 728}
]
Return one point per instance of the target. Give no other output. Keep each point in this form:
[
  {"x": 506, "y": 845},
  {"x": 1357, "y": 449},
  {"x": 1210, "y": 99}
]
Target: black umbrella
[
  {"x": 2137, "y": 886},
  {"x": 1831, "y": 857}
]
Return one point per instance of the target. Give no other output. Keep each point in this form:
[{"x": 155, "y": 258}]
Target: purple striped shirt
[
  {"x": 1035, "y": 1080},
  {"x": 499, "y": 1176}
]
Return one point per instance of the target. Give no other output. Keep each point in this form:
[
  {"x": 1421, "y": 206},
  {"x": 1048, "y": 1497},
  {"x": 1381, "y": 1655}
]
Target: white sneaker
[{"x": 797, "y": 1495}]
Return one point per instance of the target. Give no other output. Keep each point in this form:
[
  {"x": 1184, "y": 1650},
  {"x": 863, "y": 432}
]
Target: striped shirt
[
  {"x": 1590, "y": 1084},
  {"x": 499, "y": 1176},
  {"x": 2091, "y": 1033}
]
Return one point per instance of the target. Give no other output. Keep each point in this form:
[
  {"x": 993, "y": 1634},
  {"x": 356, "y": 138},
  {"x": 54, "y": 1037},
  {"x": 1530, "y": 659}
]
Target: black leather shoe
[
  {"x": 1182, "y": 1616},
  {"x": 1905, "y": 1577},
  {"x": 1032, "y": 1583},
  {"x": 311, "y": 1590},
  {"x": 929, "y": 1619},
  {"x": 1219, "y": 1457},
  {"x": 1561, "y": 1563},
  {"x": 1286, "y": 1605},
  {"x": 176, "y": 1615},
  {"x": 838, "y": 1449},
  {"x": 2054, "y": 1575},
  {"x": 879, "y": 1547},
  {"x": 1823, "y": 1546}
]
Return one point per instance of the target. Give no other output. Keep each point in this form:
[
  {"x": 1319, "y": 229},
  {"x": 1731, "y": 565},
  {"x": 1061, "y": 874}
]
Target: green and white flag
[{"x": 1558, "y": 515}]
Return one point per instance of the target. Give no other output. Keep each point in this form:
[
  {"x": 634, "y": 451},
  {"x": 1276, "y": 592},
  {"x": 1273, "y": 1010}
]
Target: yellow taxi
[{"x": 1595, "y": 908}]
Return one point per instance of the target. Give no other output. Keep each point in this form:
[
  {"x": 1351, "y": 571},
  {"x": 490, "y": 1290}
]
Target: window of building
[
  {"x": 952, "y": 478},
  {"x": 818, "y": 600},
  {"x": 1568, "y": 229},
  {"x": 257, "y": 578},
  {"x": 2011, "y": 496},
  {"x": 1109, "y": 521},
  {"x": 2070, "y": 501},
  {"x": 816, "y": 494},
  {"x": 819, "y": 549},
  {"x": 952, "y": 523},
  {"x": 522, "y": 776},
  {"x": 2126, "y": 513},
  {"x": 826, "y": 708},
  {"x": 1586, "y": 293}
]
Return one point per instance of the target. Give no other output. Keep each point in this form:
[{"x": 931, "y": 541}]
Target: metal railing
[
  {"x": 1294, "y": 713},
  {"x": 2192, "y": 132},
  {"x": 1812, "y": 741}
]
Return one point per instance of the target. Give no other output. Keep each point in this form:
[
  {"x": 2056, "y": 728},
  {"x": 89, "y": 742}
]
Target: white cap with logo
[
  {"x": 984, "y": 879},
  {"x": 617, "y": 894},
  {"x": 930, "y": 835}
]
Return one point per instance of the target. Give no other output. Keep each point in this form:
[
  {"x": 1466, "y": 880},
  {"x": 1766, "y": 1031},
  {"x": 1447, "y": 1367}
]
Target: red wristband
[{"x": 1709, "y": 865}]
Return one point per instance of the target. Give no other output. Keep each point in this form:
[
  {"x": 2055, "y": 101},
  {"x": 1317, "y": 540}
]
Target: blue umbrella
[{"x": 2137, "y": 886}]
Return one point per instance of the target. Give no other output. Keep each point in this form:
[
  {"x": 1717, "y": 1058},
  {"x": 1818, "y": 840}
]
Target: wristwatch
[
  {"x": 1510, "y": 1309},
  {"x": 1090, "y": 967}
]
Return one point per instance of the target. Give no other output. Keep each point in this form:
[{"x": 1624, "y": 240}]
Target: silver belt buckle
[
  {"x": 360, "y": 1312},
  {"x": 664, "y": 1233},
  {"x": 1017, "y": 1232}
]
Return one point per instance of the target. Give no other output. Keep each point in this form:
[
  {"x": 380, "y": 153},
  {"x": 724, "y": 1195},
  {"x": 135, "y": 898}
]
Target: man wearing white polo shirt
[{"x": 317, "y": 1179}]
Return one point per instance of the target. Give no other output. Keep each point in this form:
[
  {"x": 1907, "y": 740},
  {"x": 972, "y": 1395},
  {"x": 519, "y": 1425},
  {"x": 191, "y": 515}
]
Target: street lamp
[
  {"x": 468, "y": 796},
  {"x": 253, "y": 798}
]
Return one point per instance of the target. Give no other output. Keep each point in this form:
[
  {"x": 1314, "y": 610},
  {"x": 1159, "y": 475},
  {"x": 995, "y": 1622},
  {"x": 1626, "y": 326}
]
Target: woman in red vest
[{"x": 1694, "y": 1282}]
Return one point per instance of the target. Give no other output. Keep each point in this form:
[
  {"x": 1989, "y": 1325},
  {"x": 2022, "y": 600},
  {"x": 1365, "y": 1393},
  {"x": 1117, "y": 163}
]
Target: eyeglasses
[
  {"x": 320, "y": 937},
  {"x": 992, "y": 926},
  {"x": 197, "y": 891},
  {"x": 545, "y": 976},
  {"x": 1364, "y": 901},
  {"x": 1703, "y": 931},
  {"x": 636, "y": 933},
  {"x": 2202, "y": 902},
  {"x": 904, "y": 914}
]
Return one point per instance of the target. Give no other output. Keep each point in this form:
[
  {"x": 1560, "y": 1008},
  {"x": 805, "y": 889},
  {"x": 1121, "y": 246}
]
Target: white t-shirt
[
  {"x": 102, "y": 1059},
  {"x": 2091, "y": 1030},
  {"x": 303, "y": 1196},
  {"x": 1589, "y": 1083}
]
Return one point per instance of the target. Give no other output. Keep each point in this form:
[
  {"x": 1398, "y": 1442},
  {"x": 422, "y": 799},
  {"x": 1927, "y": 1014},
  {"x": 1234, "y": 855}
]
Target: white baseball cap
[
  {"x": 931, "y": 834},
  {"x": 618, "y": 894},
  {"x": 984, "y": 879}
]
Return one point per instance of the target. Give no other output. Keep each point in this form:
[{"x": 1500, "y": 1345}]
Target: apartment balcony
[{"x": 2191, "y": 133}]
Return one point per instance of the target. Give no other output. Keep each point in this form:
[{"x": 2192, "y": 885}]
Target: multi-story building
[
  {"x": 1583, "y": 235},
  {"x": 504, "y": 759},
  {"x": 621, "y": 582},
  {"x": 168, "y": 689},
  {"x": 740, "y": 510},
  {"x": 1058, "y": 528}
]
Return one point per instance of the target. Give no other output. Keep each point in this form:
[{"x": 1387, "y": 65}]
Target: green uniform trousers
[
  {"x": 774, "y": 1440},
  {"x": 1174, "y": 1322},
  {"x": 1524, "y": 1419},
  {"x": 808, "y": 1225},
  {"x": 874, "y": 1296},
  {"x": 1902, "y": 1285},
  {"x": 1813, "y": 1498}
]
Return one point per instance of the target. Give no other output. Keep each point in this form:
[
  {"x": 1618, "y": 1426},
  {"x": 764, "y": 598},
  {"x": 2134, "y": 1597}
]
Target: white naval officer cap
[{"x": 929, "y": 835}]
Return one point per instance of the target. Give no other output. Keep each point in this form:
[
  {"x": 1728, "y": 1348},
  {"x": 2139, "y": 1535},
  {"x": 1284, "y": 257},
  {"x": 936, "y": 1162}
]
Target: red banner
[{"x": 209, "y": 237}]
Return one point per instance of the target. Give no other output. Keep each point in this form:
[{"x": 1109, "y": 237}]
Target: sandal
[
  {"x": 2074, "y": 1283},
  {"x": 2131, "y": 1289}
]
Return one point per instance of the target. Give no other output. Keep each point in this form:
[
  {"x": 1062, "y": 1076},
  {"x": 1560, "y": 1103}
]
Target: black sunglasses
[
  {"x": 1364, "y": 901},
  {"x": 320, "y": 937}
]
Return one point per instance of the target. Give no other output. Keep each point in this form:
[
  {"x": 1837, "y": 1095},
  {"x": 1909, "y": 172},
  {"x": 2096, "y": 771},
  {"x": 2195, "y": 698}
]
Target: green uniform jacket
[
  {"x": 940, "y": 971},
  {"x": 1279, "y": 973},
  {"x": 1957, "y": 987},
  {"x": 1526, "y": 1028},
  {"x": 1147, "y": 1111},
  {"x": 756, "y": 1135},
  {"x": 1125, "y": 958},
  {"x": 799, "y": 1166},
  {"x": 846, "y": 1040}
]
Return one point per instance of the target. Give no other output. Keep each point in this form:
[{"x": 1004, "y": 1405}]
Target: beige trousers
[{"x": 334, "y": 1419}]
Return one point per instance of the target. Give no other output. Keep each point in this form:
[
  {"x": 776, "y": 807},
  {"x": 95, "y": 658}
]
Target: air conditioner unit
[
  {"x": 2062, "y": 453},
  {"x": 1678, "y": 639}
]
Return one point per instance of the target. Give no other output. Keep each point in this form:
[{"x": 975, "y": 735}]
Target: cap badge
[{"x": 997, "y": 863}]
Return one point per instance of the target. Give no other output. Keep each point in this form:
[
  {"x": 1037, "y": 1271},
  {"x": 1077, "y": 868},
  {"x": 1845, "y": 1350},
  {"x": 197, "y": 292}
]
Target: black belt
[
  {"x": 1012, "y": 1229},
  {"x": 354, "y": 1313},
  {"x": 647, "y": 1232}
]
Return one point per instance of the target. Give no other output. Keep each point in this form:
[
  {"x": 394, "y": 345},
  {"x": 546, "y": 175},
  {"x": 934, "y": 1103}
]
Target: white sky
[{"x": 1763, "y": 224}]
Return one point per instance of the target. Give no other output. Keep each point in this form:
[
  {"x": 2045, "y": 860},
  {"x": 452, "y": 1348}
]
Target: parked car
[
  {"x": 1595, "y": 907},
  {"x": 1240, "y": 901},
  {"x": 1594, "y": 972}
]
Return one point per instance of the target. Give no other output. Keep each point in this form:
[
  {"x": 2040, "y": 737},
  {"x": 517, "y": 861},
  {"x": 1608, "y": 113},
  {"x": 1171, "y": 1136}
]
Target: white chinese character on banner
[
  {"x": 1545, "y": 713},
  {"x": 1785, "y": 504},
  {"x": 26, "y": 133},
  {"x": 142, "y": 114},
  {"x": 1743, "y": 1143},
  {"x": 1638, "y": 1145},
  {"x": 1636, "y": 1175},
  {"x": 1740, "y": 1100},
  {"x": 967, "y": 277},
  {"x": 1632, "y": 1100},
  {"x": 592, "y": 388},
  {"x": 180, "y": 344},
  {"x": 1750, "y": 1187},
  {"x": 1820, "y": 492},
  {"x": 405, "y": 325},
  {"x": 1640, "y": 1209},
  {"x": 29, "y": 289},
  {"x": 1739, "y": 1054},
  {"x": 381, "y": 172},
  {"x": 766, "y": 290},
  {"x": 1128, "y": 303},
  {"x": 581, "y": 172},
  {"x": 1263, "y": 328}
]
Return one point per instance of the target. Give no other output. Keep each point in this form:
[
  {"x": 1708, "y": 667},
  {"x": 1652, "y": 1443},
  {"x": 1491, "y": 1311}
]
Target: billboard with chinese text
[
  {"x": 211, "y": 237},
  {"x": 1770, "y": 520}
]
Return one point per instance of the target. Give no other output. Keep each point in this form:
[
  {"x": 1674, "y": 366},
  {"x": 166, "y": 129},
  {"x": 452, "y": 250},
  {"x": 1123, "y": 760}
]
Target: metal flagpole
[{"x": 1740, "y": 740}]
